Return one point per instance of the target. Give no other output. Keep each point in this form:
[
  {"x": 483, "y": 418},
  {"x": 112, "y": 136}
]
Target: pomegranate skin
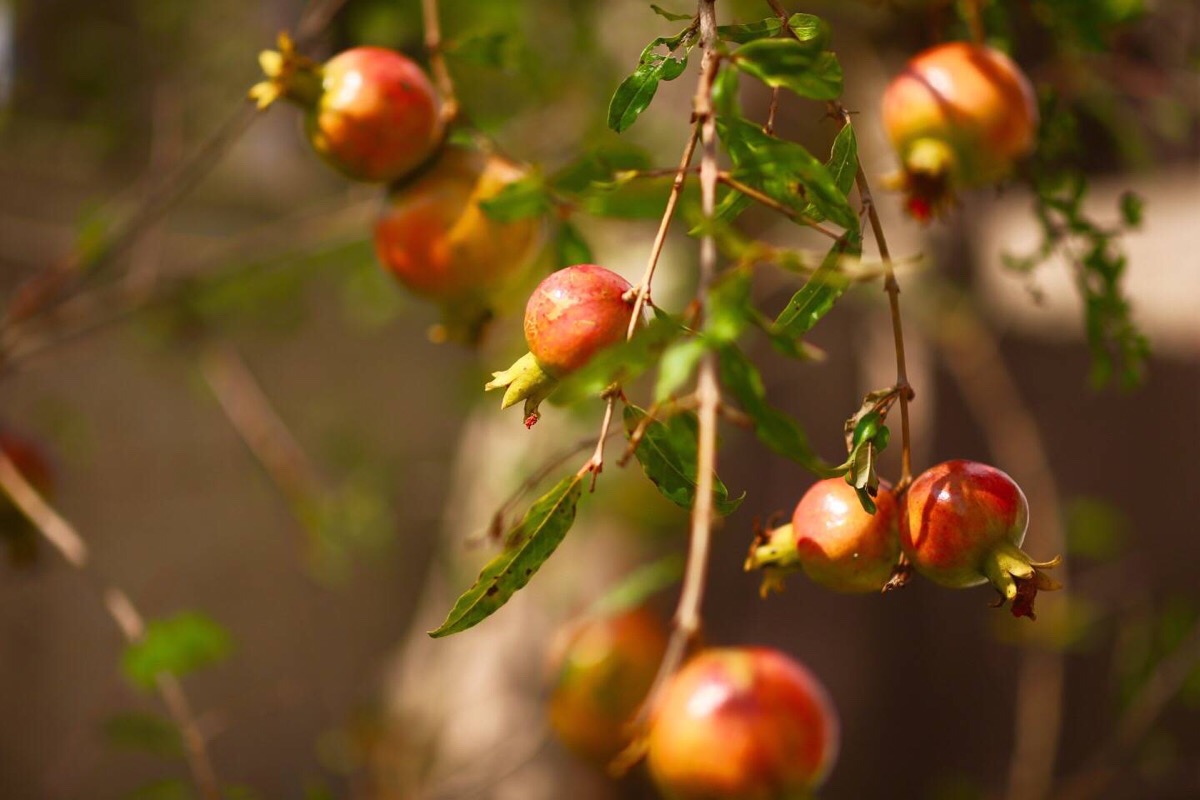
[
  {"x": 839, "y": 545},
  {"x": 434, "y": 238},
  {"x": 742, "y": 723},
  {"x": 377, "y": 117},
  {"x": 602, "y": 669},
  {"x": 959, "y": 115},
  {"x": 957, "y": 515},
  {"x": 573, "y": 313}
]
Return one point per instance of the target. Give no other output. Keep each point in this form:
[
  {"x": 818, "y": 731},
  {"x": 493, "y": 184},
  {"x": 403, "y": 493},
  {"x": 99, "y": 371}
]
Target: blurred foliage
[{"x": 176, "y": 645}]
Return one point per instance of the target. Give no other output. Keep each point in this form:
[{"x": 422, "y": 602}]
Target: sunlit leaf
[{"x": 816, "y": 298}]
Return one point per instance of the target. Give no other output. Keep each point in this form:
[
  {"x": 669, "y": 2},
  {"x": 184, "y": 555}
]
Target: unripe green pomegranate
[
  {"x": 744, "y": 723},
  {"x": 371, "y": 113},
  {"x": 602, "y": 669},
  {"x": 433, "y": 237},
  {"x": 959, "y": 115},
  {"x": 963, "y": 524},
  {"x": 571, "y": 315}
]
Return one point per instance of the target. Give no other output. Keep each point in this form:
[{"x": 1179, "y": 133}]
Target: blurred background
[{"x": 248, "y": 425}]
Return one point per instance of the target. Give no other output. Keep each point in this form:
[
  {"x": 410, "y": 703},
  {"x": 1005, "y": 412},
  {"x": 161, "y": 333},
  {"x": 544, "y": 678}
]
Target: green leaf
[
  {"x": 148, "y": 733},
  {"x": 784, "y": 63},
  {"x": 668, "y": 455},
  {"x": 678, "y": 363},
  {"x": 775, "y": 429},
  {"x": 823, "y": 80},
  {"x": 598, "y": 165},
  {"x": 670, "y": 16},
  {"x": 639, "y": 585},
  {"x": 750, "y": 31},
  {"x": 818, "y": 295},
  {"x": 634, "y": 94},
  {"x": 521, "y": 199},
  {"x": 785, "y": 171},
  {"x": 1132, "y": 208},
  {"x": 728, "y": 311},
  {"x": 620, "y": 363},
  {"x": 725, "y": 94},
  {"x": 570, "y": 247},
  {"x": 177, "y": 645},
  {"x": 526, "y": 548},
  {"x": 642, "y": 198}
]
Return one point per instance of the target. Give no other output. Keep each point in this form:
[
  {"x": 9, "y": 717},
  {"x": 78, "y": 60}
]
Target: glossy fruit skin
[
  {"x": 602, "y": 670},
  {"x": 957, "y": 516},
  {"x": 377, "y": 116},
  {"x": 574, "y": 313},
  {"x": 434, "y": 238},
  {"x": 841, "y": 546},
  {"x": 959, "y": 115},
  {"x": 748, "y": 723}
]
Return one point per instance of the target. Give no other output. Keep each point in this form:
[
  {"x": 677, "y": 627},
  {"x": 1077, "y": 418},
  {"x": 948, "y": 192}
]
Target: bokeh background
[{"x": 250, "y": 300}]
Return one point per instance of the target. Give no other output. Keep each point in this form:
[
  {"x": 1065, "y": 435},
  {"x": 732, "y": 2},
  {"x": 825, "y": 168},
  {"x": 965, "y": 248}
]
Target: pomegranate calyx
[
  {"x": 1018, "y": 578},
  {"x": 289, "y": 75},
  {"x": 774, "y": 552},
  {"x": 525, "y": 380}
]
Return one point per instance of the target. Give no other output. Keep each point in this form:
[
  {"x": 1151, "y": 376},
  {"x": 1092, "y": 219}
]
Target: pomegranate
[
  {"x": 571, "y": 315},
  {"x": 602, "y": 669},
  {"x": 434, "y": 238},
  {"x": 963, "y": 525},
  {"x": 959, "y": 115},
  {"x": 746, "y": 722},
  {"x": 371, "y": 113}
]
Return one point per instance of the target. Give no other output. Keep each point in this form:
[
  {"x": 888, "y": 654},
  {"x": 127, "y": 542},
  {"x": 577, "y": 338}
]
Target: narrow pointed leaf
[
  {"x": 818, "y": 295},
  {"x": 526, "y": 548},
  {"x": 668, "y": 454},
  {"x": 776, "y": 430}
]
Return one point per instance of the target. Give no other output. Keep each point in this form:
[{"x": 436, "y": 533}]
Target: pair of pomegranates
[
  {"x": 960, "y": 524},
  {"x": 373, "y": 115},
  {"x": 736, "y": 722}
]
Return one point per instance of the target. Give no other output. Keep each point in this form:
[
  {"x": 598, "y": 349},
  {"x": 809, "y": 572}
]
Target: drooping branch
[{"x": 63, "y": 537}]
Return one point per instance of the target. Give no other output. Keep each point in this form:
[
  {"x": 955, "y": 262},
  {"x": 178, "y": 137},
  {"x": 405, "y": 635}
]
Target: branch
[
  {"x": 63, "y": 537},
  {"x": 772, "y": 203},
  {"x": 259, "y": 425},
  {"x": 437, "y": 60},
  {"x": 708, "y": 393},
  {"x": 641, "y": 295}
]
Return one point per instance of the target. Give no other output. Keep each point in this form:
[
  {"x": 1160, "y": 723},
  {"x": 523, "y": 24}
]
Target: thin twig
[
  {"x": 772, "y": 203},
  {"x": 975, "y": 20},
  {"x": 769, "y": 128},
  {"x": 259, "y": 425},
  {"x": 972, "y": 357},
  {"x": 437, "y": 60},
  {"x": 708, "y": 392},
  {"x": 63, "y": 537},
  {"x": 641, "y": 295}
]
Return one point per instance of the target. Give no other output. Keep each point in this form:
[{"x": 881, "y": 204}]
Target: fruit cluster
[
  {"x": 732, "y": 722},
  {"x": 374, "y": 116}
]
